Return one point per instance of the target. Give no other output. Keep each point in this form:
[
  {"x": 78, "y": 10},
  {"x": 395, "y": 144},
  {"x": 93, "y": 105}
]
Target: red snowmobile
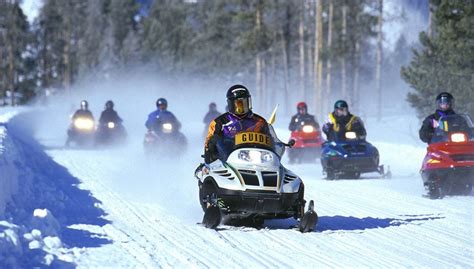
[
  {"x": 308, "y": 141},
  {"x": 448, "y": 167}
]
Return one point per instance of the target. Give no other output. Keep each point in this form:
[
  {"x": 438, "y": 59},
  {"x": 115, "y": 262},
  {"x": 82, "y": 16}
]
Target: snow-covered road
[{"x": 151, "y": 210}]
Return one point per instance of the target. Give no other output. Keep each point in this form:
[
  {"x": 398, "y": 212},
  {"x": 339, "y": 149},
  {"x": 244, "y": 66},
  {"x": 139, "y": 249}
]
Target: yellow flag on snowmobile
[{"x": 272, "y": 118}]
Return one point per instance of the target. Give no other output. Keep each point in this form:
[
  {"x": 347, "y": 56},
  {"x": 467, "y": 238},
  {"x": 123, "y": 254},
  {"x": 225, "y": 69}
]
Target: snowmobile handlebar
[{"x": 290, "y": 143}]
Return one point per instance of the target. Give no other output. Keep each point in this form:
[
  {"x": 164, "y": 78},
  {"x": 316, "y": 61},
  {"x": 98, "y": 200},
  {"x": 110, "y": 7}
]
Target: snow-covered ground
[{"x": 115, "y": 208}]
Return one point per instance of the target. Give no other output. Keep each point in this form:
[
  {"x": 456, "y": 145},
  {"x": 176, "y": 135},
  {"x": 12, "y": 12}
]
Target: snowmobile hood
[{"x": 452, "y": 148}]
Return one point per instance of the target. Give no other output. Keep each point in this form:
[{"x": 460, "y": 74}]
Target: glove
[{"x": 434, "y": 124}]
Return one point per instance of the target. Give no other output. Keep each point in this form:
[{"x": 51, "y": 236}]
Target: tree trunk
[
  {"x": 11, "y": 73},
  {"x": 285, "y": 74},
  {"x": 378, "y": 72},
  {"x": 317, "y": 57},
  {"x": 302, "y": 77},
  {"x": 329, "y": 63},
  {"x": 310, "y": 50},
  {"x": 259, "y": 60},
  {"x": 66, "y": 56},
  {"x": 356, "y": 82},
  {"x": 273, "y": 78},
  {"x": 264, "y": 86},
  {"x": 286, "y": 37},
  {"x": 343, "y": 59},
  {"x": 45, "y": 77},
  {"x": 9, "y": 42}
]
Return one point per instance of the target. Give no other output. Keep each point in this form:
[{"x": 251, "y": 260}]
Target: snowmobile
[
  {"x": 248, "y": 184},
  {"x": 308, "y": 143},
  {"x": 110, "y": 133},
  {"x": 448, "y": 166},
  {"x": 81, "y": 131},
  {"x": 164, "y": 139},
  {"x": 350, "y": 158}
]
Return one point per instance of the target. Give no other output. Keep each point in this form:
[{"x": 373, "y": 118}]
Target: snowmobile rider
[
  {"x": 302, "y": 118},
  {"x": 239, "y": 118},
  {"x": 211, "y": 114},
  {"x": 445, "y": 106},
  {"x": 340, "y": 121},
  {"x": 161, "y": 114},
  {"x": 109, "y": 114},
  {"x": 83, "y": 111}
]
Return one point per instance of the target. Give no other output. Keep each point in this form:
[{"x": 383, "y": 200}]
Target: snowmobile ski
[
  {"x": 309, "y": 220},
  {"x": 213, "y": 215}
]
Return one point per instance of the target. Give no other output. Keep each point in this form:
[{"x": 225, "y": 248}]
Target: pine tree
[
  {"x": 16, "y": 66},
  {"x": 446, "y": 60}
]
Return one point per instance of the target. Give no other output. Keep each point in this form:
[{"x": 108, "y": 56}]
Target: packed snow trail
[{"x": 152, "y": 209}]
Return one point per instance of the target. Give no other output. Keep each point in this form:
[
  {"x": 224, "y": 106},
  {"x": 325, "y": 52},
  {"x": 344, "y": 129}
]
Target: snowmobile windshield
[
  {"x": 454, "y": 128},
  {"x": 270, "y": 141}
]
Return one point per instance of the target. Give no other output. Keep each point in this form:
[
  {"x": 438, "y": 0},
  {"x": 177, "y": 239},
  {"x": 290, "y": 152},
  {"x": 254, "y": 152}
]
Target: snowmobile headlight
[
  {"x": 308, "y": 129},
  {"x": 84, "y": 124},
  {"x": 266, "y": 157},
  {"x": 458, "y": 137},
  {"x": 244, "y": 155},
  {"x": 111, "y": 125},
  {"x": 351, "y": 135},
  {"x": 255, "y": 156},
  {"x": 167, "y": 127}
]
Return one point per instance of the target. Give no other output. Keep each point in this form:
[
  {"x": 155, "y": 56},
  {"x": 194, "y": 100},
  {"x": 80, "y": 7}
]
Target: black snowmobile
[
  {"x": 110, "y": 133},
  {"x": 81, "y": 131}
]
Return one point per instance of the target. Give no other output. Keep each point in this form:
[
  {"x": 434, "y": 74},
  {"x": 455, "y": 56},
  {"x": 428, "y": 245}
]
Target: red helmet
[{"x": 302, "y": 106}]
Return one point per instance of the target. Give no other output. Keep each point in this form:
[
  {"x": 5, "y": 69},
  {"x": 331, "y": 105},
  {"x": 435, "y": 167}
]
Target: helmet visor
[
  {"x": 242, "y": 105},
  {"x": 445, "y": 103},
  {"x": 162, "y": 106},
  {"x": 341, "y": 111}
]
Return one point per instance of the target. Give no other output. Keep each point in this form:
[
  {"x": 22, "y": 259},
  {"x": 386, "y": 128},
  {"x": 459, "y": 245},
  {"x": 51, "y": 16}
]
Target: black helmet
[
  {"x": 84, "y": 105},
  {"x": 445, "y": 101},
  {"x": 340, "y": 104},
  {"x": 161, "y": 102},
  {"x": 239, "y": 100},
  {"x": 109, "y": 104}
]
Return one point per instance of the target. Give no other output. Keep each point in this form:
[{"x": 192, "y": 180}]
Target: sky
[{"x": 31, "y": 8}]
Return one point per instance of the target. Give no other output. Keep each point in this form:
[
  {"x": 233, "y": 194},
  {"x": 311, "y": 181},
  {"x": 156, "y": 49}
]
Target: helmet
[
  {"x": 84, "y": 105},
  {"x": 445, "y": 101},
  {"x": 340, "y": 104},
  {"x": 212, "y": 106},
  {"x": 301, "y": 106},
  {"x": 161, "y": 103},
  {"x": 109, "y": 104},
  {"x": 239, "y": 100}
]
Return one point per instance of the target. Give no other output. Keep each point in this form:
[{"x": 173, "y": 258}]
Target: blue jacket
[{"x": 158, "y": 116}]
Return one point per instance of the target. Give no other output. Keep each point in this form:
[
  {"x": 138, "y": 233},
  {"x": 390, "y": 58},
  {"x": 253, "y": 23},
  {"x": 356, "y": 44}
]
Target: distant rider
[
  {"x": 445, "y": 106},
  {"x": 211, "y": 114},
  {"x": 161, "y": 114},
  {"x": 239, "y": 118},
  {"x": 109, "y": 114},
  {"x": 82, "y": 112},
  {"x": 302, "y": 118},
  {"x": 341, "y": 121}
]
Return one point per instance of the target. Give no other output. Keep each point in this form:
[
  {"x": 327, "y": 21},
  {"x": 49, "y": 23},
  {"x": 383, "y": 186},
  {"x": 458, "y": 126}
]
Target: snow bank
[
  {"x": 7, "y": 171},
  {"x": 30, "y": 235}
]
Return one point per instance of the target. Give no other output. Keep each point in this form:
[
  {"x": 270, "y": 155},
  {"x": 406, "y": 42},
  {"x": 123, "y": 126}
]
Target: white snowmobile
[{"x": 249, "y": 184}]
